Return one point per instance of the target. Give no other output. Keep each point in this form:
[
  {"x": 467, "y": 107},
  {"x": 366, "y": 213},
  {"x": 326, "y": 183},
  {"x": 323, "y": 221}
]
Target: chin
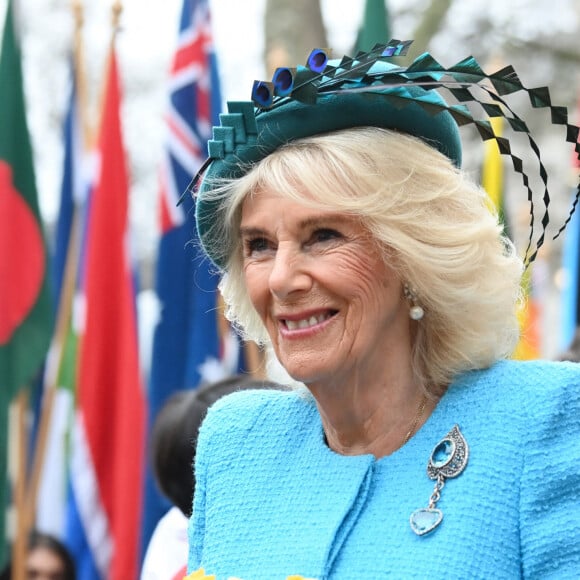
[
  {"x": 286, "y": 373},
  {"x": 276, "y": 372},
  {"x": 305, "y": 375},
  {"x": 300, "y": 366}
]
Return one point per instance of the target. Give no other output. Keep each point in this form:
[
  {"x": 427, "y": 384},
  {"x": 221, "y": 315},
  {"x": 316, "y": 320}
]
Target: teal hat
[{"x": 367, "y": 90}]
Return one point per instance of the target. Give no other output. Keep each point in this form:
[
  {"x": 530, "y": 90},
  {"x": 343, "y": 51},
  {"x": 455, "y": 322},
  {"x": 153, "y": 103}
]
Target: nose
[{"x": 289, "y": 273}]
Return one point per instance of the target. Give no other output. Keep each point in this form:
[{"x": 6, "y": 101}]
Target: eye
[
  {"x": 322, "y": 235},
  {"x": 256, "y": 245}
]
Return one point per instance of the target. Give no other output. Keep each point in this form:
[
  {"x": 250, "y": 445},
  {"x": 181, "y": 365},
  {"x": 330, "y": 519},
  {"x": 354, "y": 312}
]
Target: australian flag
[{"x": 188, "y": 346}]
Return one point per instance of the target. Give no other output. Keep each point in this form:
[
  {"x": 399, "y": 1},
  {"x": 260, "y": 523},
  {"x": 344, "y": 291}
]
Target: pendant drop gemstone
[
  {"x": 443, "y": 453},
  {"x": 448, "y": 459},
  {"x": 425, "y": 520}
]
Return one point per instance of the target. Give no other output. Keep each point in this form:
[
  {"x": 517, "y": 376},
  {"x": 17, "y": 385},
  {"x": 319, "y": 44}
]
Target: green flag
[
  {"x": 25, "y": 307},
  {"x": 375, "y": 25}
]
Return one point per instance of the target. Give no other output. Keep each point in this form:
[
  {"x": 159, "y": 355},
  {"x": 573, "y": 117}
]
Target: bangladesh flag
[{"x": 25, "y": 307}]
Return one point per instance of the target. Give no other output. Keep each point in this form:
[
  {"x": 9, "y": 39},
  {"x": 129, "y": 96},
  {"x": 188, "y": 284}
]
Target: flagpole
[
  {"x": 22, "y": 522},
  {"x": 62, "y": 323}
]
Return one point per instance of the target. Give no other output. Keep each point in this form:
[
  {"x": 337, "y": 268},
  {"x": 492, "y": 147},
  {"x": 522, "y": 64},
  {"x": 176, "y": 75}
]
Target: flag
[
  {"x": 570, "y": 308},
  {"x": 186, "y": 346},
  {"x": 492, "y": 181},
  {"x": 375, "y": 25},
  {"x": 25, "y": 307},
  {"x": 492, "y": 171},
  {"x": 529, "y": 314},
  {"x": 569, "y": 311},
  {"x": 60, "y": 373},
  {"x": 108, "y": 433},
  {"x": 73, "y": 188}
]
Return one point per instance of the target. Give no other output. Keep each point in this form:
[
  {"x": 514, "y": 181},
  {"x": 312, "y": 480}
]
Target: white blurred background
[{"x": 539, "y": 37}]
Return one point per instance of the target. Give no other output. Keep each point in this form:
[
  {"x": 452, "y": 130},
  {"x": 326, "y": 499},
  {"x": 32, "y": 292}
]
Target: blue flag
[
  {"x": 569, "y": 312},
  {"x": 187, "y": 345}
]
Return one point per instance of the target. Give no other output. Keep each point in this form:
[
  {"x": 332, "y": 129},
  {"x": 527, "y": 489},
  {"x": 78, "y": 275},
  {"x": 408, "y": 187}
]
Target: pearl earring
[{"x": 415, "y": 312}]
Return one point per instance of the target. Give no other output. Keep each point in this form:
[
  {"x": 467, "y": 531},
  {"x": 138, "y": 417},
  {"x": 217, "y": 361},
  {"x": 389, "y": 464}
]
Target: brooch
[{"x": 448, "y": 459}]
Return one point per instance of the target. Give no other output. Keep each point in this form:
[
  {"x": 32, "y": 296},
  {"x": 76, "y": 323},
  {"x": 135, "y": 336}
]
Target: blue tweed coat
[{"x": 273, "y": 501}]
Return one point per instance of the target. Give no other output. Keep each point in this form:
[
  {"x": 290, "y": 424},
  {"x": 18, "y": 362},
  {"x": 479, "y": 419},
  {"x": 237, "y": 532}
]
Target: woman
[{"x": 353, "y": 246}]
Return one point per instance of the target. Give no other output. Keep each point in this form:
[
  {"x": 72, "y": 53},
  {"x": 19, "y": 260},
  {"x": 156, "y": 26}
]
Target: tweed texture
[{"x": 272, "y": 500}]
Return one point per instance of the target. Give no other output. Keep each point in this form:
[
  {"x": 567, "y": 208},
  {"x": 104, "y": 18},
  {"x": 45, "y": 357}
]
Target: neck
[{"x": 376, "y": 419}]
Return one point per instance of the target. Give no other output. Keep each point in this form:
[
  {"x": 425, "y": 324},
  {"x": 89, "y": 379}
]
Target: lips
[{"x": 307, "y": 322}]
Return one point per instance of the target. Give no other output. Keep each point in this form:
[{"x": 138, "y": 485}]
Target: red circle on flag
[{"x": 21, "y": 256}]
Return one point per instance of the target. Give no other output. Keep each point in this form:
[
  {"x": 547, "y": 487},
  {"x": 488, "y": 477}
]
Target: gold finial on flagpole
[
  {"x": 116, "y": 10},
  {"x": 80, "y": 74},
  {"x": 78, "y": 11}
]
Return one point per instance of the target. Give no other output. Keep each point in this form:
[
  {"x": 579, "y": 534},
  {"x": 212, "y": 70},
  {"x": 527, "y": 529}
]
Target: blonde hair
[{"x": 434, "y": 226}]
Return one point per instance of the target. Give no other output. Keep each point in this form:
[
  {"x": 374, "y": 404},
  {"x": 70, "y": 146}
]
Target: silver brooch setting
[{"x": 448, "y": 460}]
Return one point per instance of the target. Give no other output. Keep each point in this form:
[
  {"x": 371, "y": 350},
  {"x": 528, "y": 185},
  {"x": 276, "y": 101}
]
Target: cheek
[{"x": 368, "y": 279}]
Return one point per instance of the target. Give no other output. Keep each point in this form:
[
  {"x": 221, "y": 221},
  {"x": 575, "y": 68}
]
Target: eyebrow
[
  {"x": 336, "y": 219},
  {"x": 308, "y": 223},
  {"x": 251, "y": 232}
]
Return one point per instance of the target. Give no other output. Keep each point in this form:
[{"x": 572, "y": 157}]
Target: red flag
[{"x": 111, "y": 401}]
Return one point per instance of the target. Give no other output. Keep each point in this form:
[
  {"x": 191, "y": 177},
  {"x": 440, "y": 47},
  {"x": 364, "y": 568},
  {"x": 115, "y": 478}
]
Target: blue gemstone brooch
[{"x": 448, "y": 459}]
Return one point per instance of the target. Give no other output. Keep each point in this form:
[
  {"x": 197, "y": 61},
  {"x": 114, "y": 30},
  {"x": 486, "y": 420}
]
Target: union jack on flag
[{"x": 194, "y": 104}]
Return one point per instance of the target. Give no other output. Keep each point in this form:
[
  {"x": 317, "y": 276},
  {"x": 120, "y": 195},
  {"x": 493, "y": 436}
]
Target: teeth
[{"x": 306, "y": 322}]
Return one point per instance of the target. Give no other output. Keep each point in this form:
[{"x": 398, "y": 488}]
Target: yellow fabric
[
  {"x": 528, "y": 313},
  {"x": 528, "y": 347},
  {"x": 200, "y": 575},
  {"x": 492, "y": 171}
]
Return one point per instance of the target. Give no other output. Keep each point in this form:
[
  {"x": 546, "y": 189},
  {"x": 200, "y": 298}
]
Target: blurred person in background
[
  {"x": 47, "y": 558},
  {"x": 172, "y": 451}
]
